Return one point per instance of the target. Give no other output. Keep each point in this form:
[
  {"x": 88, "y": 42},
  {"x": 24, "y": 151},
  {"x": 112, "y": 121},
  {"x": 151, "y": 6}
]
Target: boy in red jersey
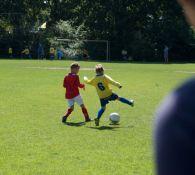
[{"x": 72, "y": 85}]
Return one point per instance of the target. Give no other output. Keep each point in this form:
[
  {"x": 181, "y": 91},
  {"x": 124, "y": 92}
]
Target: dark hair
[{"x": 74, "y": 65}]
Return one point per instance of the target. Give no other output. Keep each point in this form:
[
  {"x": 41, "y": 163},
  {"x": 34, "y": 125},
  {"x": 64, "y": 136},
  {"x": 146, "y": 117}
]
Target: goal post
[{"x": 105, "y": 43}]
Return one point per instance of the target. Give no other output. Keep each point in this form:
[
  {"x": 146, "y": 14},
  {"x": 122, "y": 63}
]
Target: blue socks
[
  {"x": 100, "y": 112},
  {"x": 123, "y": 100}
]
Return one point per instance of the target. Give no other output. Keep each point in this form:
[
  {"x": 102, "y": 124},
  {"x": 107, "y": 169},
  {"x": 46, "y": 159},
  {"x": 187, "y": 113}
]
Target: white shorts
[{"x": 78, "y": 99}]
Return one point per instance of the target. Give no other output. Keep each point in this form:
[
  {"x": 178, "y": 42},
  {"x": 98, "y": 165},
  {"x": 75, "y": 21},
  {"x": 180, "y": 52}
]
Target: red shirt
[{"x": 72, "y": 85}]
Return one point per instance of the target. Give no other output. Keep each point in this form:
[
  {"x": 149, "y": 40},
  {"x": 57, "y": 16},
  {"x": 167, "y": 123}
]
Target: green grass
[{"x": 33, "y": 141}]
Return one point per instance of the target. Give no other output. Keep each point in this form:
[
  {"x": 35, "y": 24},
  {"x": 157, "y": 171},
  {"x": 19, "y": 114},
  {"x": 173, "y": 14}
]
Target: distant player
[
  {"x": 10, "y": 52},
  {"x": 52, "y": 53},
  {"x": 101, "y": 83},
  {"x": 26, "y": 53},
  {"x": 166, "y": 54},
  {"x": 72, "y": 85}
]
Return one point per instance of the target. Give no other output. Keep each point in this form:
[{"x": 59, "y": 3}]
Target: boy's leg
[
  {"x": 69, "y": 111},
  {"x": 124, "y": 100},
  {"x": 85, "y": 113},
  {"x": 103, "y": 102},
  {"x": 100, "y": 113},
  {"x": 79, "y": 101}
]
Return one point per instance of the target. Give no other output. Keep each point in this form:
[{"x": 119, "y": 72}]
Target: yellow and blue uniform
[
  {"x": 101, "y": 83},
  {"x": 52, "y": 53},
  {"x": 26, "y": 53},
  {"x": 10, "y": 51}
]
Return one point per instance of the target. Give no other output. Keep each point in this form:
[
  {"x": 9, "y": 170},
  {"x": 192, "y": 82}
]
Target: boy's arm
[
  {"x": 80, "y": 85},
  {"x": 64, "y": 83},
  {"x": 86, "y": 80},
  {"x": 111, "y": 81}
]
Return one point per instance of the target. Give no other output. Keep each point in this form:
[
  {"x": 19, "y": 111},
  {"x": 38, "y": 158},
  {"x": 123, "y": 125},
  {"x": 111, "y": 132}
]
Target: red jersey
[{"x": 72, "y": 85}]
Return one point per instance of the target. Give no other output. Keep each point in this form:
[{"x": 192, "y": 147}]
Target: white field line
[
  {"x": 60, "y": 68},
  {"x": 185, "y": 72}
]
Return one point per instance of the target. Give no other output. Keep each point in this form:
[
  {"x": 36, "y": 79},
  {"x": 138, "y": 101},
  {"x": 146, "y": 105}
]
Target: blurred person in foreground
[{"x": 175, "y": 123}]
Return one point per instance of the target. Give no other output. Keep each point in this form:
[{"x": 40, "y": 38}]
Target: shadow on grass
[
  {"x": 78, "y": 124},
  {"x": 111, "y": 128},
  {"x": 103, "y": 128}
]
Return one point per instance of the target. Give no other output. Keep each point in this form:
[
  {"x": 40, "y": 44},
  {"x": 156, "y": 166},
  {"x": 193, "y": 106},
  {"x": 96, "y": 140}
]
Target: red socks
[
  {"x": 68, "y": 112},
  {"x": 84, "y": 110}
]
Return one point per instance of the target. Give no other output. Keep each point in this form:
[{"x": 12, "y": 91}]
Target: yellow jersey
[
  {"x": 26, "y": 51},
  {"x": 10, "y": 51},
  {"x": 52, "y": 50},
  {"x": 101, "y": 83}
]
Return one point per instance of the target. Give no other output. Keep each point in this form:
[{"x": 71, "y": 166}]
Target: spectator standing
[
  {"x": 124, "y": 54},
  {"x": 40, "y": 51},
  {"x": 59, "y": 54},
  {"x": 52, "y": 53},
  {"x": 26, "y": 53},
  {"x": 10, "y": 52},
  {"x": 166, "y": 54}
]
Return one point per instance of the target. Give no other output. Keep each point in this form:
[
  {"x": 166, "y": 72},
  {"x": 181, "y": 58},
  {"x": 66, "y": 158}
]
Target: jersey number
[{"x": 101, "y": 86}]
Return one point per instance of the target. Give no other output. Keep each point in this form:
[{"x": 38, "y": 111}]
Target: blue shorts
[{"x": 105, "y": 101}]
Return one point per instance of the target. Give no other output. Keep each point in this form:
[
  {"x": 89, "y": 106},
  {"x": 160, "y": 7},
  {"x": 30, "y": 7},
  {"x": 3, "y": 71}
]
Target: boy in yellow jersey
[{"x": 101, "y": 83}]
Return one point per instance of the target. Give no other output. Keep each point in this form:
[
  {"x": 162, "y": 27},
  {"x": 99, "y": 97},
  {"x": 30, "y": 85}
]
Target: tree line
[{"x": 142, "y": 27}]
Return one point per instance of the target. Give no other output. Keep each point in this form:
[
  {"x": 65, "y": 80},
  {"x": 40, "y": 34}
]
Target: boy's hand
[
  {"x": 83, "y": 87},
  {"x": 85, "y": 78}
]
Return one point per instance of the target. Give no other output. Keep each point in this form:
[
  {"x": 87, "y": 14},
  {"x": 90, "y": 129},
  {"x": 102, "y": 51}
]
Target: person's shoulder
[
  {"x": 188, "y": 87},
  {"x": 180, "y": 101},
  {"x": 67, "y": 75}
]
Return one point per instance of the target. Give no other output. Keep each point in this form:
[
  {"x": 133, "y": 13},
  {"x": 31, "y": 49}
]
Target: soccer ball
[{"x": 114, "y": 118}]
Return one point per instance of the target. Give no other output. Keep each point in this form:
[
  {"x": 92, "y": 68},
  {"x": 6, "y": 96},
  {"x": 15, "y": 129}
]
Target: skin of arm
[{"x": 88, "y": 81}]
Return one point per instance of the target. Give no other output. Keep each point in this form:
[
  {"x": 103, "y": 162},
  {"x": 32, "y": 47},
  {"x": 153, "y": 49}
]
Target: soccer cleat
[
  {"x": 64, "y": 118},
  {"x": 97, "y": 122},
  {"x": 132, "y": 103},
  {"x": 88, "y": 120}
]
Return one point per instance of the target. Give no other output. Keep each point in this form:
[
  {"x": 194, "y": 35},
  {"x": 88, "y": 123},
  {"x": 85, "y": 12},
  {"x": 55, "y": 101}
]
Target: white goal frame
[{"x": 93, "y": 41}]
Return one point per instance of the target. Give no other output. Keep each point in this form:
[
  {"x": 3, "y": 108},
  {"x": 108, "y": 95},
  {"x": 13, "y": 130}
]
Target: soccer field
[{"x": 33, "y": 141}]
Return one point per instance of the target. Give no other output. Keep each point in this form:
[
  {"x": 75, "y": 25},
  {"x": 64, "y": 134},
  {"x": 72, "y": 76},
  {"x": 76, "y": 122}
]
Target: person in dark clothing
[
  {"x": 175, "y": 132},
  {"x": 175, "y": 123}
]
